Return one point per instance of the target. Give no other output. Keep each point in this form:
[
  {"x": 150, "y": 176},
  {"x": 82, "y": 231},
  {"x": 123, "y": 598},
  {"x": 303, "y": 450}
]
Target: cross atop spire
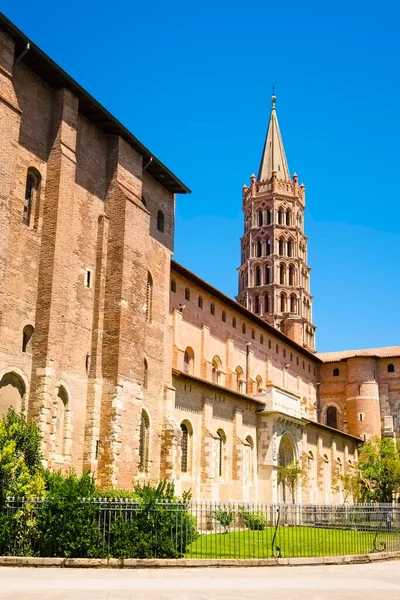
[{"x": 273, "y": 156}]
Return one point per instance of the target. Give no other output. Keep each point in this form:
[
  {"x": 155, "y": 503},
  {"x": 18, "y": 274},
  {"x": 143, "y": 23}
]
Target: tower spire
[{"x": 273, "y": 157}]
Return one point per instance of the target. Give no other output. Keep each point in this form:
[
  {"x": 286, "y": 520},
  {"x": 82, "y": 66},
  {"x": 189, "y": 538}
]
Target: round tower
[{"x": 362, "y": 391}]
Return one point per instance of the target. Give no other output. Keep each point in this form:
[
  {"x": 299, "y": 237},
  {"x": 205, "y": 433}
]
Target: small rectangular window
[{"x": 88, "y": 278}]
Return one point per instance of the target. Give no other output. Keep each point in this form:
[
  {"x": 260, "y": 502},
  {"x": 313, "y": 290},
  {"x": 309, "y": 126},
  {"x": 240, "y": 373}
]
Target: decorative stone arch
[
  {"x": 293, "y": 303},
  {"x": 259, "y": 384},
  {"x": 287, "y": 455},
  {"x": 240, "y": 380},
  {"x": 324, "y": 413},
  {"x": 257, "y": 277},
  {"x": 13, "y": 391},
  {"x": 216, "y": 372}
]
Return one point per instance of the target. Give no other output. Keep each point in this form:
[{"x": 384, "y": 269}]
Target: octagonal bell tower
[{"x": 274, "y": 277}]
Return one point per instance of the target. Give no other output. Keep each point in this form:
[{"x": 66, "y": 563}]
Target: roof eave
[{"x": 41, "y": 64}]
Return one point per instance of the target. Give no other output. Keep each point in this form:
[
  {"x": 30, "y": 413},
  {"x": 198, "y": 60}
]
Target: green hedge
[{"x": 72, "y": 522}]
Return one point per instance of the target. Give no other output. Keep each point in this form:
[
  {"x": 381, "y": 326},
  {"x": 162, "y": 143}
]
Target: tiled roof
[{"x": 386, "y": 352}]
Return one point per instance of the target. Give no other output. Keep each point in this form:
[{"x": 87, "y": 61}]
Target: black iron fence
[{"x": 124, "y": 528}]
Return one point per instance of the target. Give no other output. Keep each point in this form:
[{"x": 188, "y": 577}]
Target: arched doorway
[
  {"x": 286, "y": 457},
  {"x": 12, "y": 392}
]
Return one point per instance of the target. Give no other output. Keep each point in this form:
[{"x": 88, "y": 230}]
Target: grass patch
[{"x": 293, "y": 542}]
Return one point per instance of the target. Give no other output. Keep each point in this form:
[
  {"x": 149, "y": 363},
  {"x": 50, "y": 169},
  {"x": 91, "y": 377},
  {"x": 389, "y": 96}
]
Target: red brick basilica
[{"x": 131, "y": 365}]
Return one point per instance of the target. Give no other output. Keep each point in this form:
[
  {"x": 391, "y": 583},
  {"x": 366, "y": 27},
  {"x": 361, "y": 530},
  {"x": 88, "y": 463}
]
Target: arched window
[
  {"x": 240, "y": 383},
  {"x": 257, "y": 276},
  {"x": 188, "y": 361},
  {"x": 282, "y": 274},
  {"x": 259, "y": 383},
  {"x": 283, "y": 302},
  {"x": 258, "y": 248},
  {"x": 268, "y": 246},
  {"x": 145, "y": 374},
  {"x": 291, "y": 275},
  {"x": 223, "y": 316},
  {"x": 173, "y": 285},
  {"x": 288, "y": 217},
  {"x": 160, "y": 221},
  {"x": 249, "y": 462},
  {"x": 212, "y": 309},
  {"x": 187, "y": 294},
  {"x": 27, "y": 334},
  {"x": 200, "y": 302},
  {"x": 269, "y": 216},
  {"x": 266, "y": 303},
  {"x": 261, "y": 339},
  {"x": 216, "y": 370},
  {"x": 234, "y": 322},
  {"x": 12, "y": 393},
  {"x": 280, "y": 216},
  {"x": 185, "y": 446},
  {"x": 293, "y": 304},
  {"x": 390, "y": 368},
  {"x": 62, "y": 402},
  {"x": 149, "y": 299},
  {"x": 31, "y": 196},
  {"x": 257, "y": 305},
  {"x": 267, "y": 274},
  {"x": 253, "y": 334},
  {"x": 281, "y": 245},
  {"x": 260, "y": 218},
  {"x": 336, "y": 372},
  {"x": 144, "y": 442},
  {"x": 221, "y": 444},
  {"x": 243, "y": 327},
  {"x": 289, "y": 248}
]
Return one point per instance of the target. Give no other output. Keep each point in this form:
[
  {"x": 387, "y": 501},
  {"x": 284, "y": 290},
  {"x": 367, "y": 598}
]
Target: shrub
[
  {"x": 21, "y": 472},
  {"x": 224, "y": 518},
  {"x": 255, "y": 521},
  {"x": 68, "y": 522},
  {"x": 162, "y": 527}
]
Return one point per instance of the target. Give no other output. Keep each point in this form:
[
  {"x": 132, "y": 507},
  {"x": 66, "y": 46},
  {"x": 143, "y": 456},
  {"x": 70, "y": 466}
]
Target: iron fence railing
[{"x": 126, "y": 528}]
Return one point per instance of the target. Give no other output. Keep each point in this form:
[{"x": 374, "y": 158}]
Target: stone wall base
[{"x": 156, "y": 563}]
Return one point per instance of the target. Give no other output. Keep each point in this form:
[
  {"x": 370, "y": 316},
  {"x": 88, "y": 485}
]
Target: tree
[
  {"x": 379, "y": 464},
  {"x": 290, "y": 476},
  {"x": 21, "y": 471},
  {"x": 224, "y": 518},
  {"x": 351, "y": 485}
]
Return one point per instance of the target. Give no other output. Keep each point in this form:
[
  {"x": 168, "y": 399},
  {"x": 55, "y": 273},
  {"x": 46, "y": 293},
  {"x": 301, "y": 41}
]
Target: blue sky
[{"x": 193, "y": 82}]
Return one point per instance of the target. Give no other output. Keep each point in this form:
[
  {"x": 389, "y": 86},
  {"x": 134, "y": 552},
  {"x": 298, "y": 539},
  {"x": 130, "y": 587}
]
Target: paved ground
[{"x": 366, "y": 582}]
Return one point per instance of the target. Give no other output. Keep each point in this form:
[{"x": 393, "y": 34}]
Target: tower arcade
[{"x": 274, "y": 277}]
